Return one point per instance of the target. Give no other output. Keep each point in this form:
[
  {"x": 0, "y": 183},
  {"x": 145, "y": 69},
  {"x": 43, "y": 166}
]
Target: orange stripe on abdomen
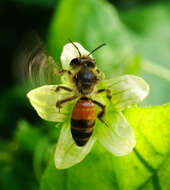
[{"x": 84, "y": 109}]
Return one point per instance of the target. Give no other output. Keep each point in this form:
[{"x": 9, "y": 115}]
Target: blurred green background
[{"x": 137, "y": 34}]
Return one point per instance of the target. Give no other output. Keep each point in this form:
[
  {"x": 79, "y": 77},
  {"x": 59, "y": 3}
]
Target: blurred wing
[{"x": 34, "y": 65}]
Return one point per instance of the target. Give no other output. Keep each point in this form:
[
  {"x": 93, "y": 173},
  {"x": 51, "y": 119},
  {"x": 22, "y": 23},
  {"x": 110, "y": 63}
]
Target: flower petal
[
  {"x": 70, "y": 52},
  {"x": 118, "y": 136},
  {"x": 67, "y": 153},
  {"x": 44, "y": 99},
  {"x": 127, "y": 90}
]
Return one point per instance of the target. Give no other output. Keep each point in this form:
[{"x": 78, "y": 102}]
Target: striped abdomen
[{"x": 82, "y": 121}]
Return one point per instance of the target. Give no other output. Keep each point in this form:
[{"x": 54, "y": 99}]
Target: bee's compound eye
[
  {"x": 91, "y": 63},
  {"x": 75, "y": 62}
]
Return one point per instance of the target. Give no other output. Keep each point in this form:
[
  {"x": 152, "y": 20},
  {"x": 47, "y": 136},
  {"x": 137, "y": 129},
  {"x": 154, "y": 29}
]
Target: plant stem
[{"x": 155, "y": 69}]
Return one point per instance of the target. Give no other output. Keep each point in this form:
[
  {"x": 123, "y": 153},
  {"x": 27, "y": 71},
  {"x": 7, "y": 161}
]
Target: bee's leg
[
  {"x": 65, "y": 71},
  {"x": 60, "y": 102},
  {"x": 108, "y": 92},
  {"x": 101, "y": 114},
  {"x": 98, "y": 71},
  {"x": 64, "y": 88}
]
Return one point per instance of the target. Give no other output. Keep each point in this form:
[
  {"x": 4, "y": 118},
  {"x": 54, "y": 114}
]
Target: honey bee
[
  {"x": 84, "y": 75},
  {"x": 85, "y": 78}
]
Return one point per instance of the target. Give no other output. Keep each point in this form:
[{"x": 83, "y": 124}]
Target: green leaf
[
  {"x": 95, "y": 172},
  {"x": 149, "y": 33},
  {"x": 15, "y": 158},
  {"x": 151, "y": 156},
  {"x": 27, "y": 136},
  {"x": 92, "y": 23},
  {"x": 146, "y": 168}
]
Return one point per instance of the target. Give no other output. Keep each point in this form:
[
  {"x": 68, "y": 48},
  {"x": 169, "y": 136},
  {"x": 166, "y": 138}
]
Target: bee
[
  {"x": 85, "y": 79},
  {"x": 84, "y": 75}
]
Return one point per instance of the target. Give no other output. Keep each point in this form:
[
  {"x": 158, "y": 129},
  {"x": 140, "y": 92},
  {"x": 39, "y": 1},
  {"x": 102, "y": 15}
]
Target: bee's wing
[{"x": 34, "y": 65}]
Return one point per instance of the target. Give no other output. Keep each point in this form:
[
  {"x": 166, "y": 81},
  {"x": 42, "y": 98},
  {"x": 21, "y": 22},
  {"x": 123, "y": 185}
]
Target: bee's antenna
[
  {"x": 75, "y": 47},
  {"x": 97, "y": 48}
]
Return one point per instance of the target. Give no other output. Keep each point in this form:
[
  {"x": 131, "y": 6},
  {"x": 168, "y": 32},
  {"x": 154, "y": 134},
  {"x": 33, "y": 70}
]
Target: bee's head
[
  {"x": 86, "y": 76},
  {"x": 84, "y": 61}
]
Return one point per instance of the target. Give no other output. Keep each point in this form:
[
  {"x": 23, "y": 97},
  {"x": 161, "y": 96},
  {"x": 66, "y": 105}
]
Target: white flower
[{"x": 118, "y": 137}]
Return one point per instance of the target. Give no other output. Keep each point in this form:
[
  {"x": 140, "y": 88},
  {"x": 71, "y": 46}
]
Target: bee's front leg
[
  {"x": 101, "y": 114},
  {"x": 65, "y": 71}
]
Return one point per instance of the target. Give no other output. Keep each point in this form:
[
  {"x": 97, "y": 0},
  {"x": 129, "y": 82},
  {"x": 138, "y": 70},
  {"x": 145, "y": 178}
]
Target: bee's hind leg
[{"x": 101, "y": 114}]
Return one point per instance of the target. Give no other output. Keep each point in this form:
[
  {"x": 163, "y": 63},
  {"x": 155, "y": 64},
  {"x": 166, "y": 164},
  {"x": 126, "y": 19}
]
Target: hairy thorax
[{"x": 85, "y": 80}]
